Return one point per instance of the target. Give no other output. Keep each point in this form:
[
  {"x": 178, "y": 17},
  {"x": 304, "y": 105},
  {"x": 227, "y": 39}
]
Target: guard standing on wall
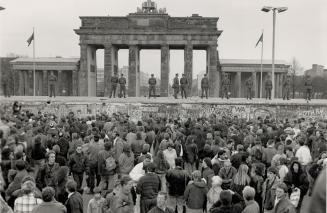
[
  {"x": 122, "y": 86},
  {"x": 249, "y": 88},
  {"x": 268, "y": 88},
  {"x": 184, "y": 85},
  {"x": 152, "y": 86},
  {"x": 205, "y": 86},
  {"x": 308, "y": 87},
  {"x": 225, "y": 84},
  {"x": 114, "y": 83},
  {"x": 176, "y": 86},
  {"x": 287, "y": 88},
  {"x": 52, "y": 83}
]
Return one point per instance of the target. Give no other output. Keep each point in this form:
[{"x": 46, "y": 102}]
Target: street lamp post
[{"x": 280, "y": 10}]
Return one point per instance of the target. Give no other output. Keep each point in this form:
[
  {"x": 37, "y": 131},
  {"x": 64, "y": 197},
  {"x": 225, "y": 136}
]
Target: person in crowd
[
  {"x": 251, "y": 205},
  {"x": 162, "y": 166},
  {"x": 38, "y": 154},
  {"x": 74, "y": 204},
  {"x": 269, "y": 189},
  {"x": 318, "y": 198},
  {"x": 124, "y": 202},
  {"x": 47, "y": 174},
  {"x": 92, "y": 163},
  {"x": 170, "y": 154},
  {"x": 59, "y": 159},
  {"x": 241, "y": 179},
  {"x": 303, "y": 153},
  {"x": 297, "y": 179},
  {"x": 137, "y": 145},
  {"x": 282, "y": 203},
  {"x": 195, "y": 194},
  {"x": 62, "y": 178},
  {"x": 269, "y": 153},
  {"x": 110, "y": 199},
  {"x": 226, "y": 204},
  {"x": 4, "y": 207},
  {"x": 207, "y": 172},
  {"x": 214, "y": 192},
  {"x": 162, "y": 206},
  {"x": 95, "y": 205},
  {"x": 177, "y": 180},
  {"x": 77, "y": 166},
  {"x": 49, "y": 204},
  {"x": 26, "y": 202},
  {"x": 126, "y": 160},
  {"x": 191, "y": 156},
  {"x": 148, "y": 187}
]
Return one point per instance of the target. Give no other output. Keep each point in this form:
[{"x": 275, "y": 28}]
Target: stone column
[
  {"x": 214, "y": 78},
  {"x": 239, "y": 84},
  {"x": 20, "y": 83},
  {"x": 83, "y": 72},
  {"x": 255, "y": 85},
  {"x": 60, "y": 83},
  {"x": 188, "y": 66},
  {"x": 30, "y": 83},
  {"x": 277, "y": 85},
  {"x": 110, "y": 66},
  {"x": 165, "y": 58},
  {"x": 45, "y": 83},
  {"x": 134, "y": 71},
  {"x": 74, "y": 87}
]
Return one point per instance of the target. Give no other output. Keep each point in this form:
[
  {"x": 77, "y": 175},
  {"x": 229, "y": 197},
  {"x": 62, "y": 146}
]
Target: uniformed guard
[
  {"x": 205, "y": 86},
  {"x": 287, "y": 88},
  {"x": 184, "y": 85},
  {"x": 268, "y": 88},
  {"x": 114, "y": 83},
  {"x": 122, "y": 86},
  {"x": 176, "y": 86},
  {"x": 52, "y": 82},
  {"x": 249, "y": 88},
  {"x": 308, "y": 88},
  {"x": 152, "y": 86},
  {"x": 225, "y": 84}
]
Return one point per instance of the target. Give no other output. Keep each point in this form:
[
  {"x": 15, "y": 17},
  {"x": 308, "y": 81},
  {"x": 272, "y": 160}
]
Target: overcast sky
[{"x": 301, "y": 32}]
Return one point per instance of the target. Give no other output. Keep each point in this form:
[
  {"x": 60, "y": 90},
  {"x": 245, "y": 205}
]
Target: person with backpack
[{"x": 107, "y": 167}]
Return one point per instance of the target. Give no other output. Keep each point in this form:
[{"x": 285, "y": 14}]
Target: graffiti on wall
[{"x": 137, "y": 111}]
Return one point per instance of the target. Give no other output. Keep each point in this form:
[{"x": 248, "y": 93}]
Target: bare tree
[{"x": 297, "y": 69}]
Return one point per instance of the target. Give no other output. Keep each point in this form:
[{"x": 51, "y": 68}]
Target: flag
[
  {"x": 30, "y": 39},
  {"x": 260, "y": 39}
]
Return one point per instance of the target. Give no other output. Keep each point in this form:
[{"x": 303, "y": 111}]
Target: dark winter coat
[
  {"x": 195, "y": 195},
  {"x": 177, "y": 180}
]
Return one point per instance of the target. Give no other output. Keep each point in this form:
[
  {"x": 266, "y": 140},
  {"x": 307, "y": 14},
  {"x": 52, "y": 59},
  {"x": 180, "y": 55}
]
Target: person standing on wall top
[
  {"x": 184, "y": 85},
  {"x": 152, "y": 86},
  {"x": 52, "y": 83},
  {"x": 176, "y": 86},
  {"x": 122, "y": 86},
  {"x": 205, "y": 86},
  {"x": 268, "y": 87},
  {"x": 249, "y": 88},
  {"x": 114, "y": 83},
  {"x": 308, "y": 88}
]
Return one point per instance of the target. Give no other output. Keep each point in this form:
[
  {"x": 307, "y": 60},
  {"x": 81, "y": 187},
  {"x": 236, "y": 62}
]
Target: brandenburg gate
[{"x": 148, "y": 28}]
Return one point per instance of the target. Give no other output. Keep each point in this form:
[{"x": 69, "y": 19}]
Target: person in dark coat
[
  {"x": 297, "y": 178},
  {"x": 74, "y": 203},
  {"x": 49, "y": 205},
  {"x": 152, "y": 86},
  {"x": 122, "y": 86},
  {"x": 176, "y": 86},
  {"x": 308, "y": 88},
  {"x": 114, "y": 83},
  {"x": 195, "y": 194},
  {"x": 63, "y": 144},
  {"x": 77, "y": 165},
  {"x": 184, "y": 85},
  {"x": 205, "y": 86},
  {"x": 177, "y": 180},
  {"x": 282, "y": 203},
  {"x": 46, "y": 176},
  {"x": 229, "y": 202},
  {"x": 148, "y": 187},
  {"x": 268, "y": 88},
  {"x": 249, "y": 88}
]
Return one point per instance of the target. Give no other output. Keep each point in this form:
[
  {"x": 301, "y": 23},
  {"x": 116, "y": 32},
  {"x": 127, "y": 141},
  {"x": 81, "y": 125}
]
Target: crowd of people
[{"x": 157, "y": 164}]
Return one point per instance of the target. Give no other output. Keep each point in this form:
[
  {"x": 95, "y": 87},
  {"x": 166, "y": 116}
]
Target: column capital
[{"x": 107, "y": 45}]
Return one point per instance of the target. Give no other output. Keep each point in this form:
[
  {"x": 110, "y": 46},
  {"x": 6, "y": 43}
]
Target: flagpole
[
  {"x": 261, "y": 66},
  {"x": 33, "y": 63}
]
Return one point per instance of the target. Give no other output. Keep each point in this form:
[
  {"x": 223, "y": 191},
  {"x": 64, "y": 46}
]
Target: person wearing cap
[
  {"x": 27, "y": 201},
  {"x": 282, "y": 204},
  {"x": 269, "y": 188},
  {"x": 95, "y": 205},
  {"x": 148, "y": 187},
  {"x": 184, "y": 85},
  {"x": 251, "y": 205},
  {"x": 205, "y": 86},
  {"x": 152, "y": 86}
]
